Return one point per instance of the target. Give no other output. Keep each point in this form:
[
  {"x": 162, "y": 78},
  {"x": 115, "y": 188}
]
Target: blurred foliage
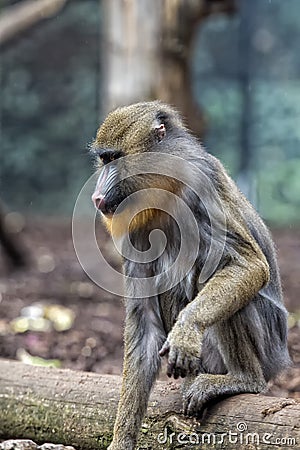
[
  {"x": 49, "y": 109},
  {"x": 273, "y": 131},
  {"x": 4, "y": 3}
]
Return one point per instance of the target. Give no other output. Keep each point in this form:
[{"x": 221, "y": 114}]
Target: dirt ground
[{"x": 93, "y": 342}]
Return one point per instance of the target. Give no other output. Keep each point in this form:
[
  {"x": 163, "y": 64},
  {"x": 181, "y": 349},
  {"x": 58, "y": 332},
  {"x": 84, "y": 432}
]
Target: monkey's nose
[{"x": 99, "y": 202}]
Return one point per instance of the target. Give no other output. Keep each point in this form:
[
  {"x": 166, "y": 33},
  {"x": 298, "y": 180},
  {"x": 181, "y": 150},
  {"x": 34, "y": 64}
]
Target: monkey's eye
[{"x": 107, "y": 156}]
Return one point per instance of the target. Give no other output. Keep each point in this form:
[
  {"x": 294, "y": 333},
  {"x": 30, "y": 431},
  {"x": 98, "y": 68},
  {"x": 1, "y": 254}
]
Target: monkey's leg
[
  {"x": 143, "y": 338},
  {"x": 245, "y": 373}
]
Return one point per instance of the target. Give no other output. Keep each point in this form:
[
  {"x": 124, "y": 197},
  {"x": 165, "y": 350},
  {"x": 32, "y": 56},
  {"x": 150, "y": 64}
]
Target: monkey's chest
[{"x": 175, "y": 299}]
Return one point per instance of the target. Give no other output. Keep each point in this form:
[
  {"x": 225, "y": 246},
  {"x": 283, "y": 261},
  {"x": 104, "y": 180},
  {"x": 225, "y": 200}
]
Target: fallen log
[{"x": 78, "y": 409}]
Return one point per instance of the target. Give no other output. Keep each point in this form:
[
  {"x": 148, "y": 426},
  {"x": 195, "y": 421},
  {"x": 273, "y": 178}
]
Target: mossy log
[{"x": 79, "y": 409}]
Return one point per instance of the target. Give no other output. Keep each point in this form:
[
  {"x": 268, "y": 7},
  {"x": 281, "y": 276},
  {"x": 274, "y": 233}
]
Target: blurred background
[{"x": 231, "y": 66}]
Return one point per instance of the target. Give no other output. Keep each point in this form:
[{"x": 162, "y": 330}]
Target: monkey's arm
[
  {"x": 143, "y": 337},
  {"x": 230, "y": 289}
]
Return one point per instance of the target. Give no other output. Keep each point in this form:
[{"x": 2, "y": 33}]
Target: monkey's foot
[{"x": 206, "y": 388}]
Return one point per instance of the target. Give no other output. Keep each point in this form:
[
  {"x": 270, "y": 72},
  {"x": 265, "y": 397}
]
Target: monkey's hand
[{"x": 183, "y": 348}]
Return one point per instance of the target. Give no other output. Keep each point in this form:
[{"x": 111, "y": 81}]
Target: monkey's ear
[{"x": 160, "y": 132}]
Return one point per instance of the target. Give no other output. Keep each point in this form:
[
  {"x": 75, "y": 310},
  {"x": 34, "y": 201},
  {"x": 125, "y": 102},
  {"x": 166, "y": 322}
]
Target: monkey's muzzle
[
  {"x": 99, "y": 202},
  {"x": 98, "y": 196},
  {"x": 108, "y": 194}
]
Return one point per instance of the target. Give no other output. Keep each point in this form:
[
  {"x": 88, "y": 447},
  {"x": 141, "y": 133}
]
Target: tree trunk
[
  {"x": 147, "y": 52},
  {"x": 79, "y": 409},
  {"x": 180, "y": 21},
  {"x": 130, "y": 45}
]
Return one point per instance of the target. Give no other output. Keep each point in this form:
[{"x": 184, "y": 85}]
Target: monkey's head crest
[{"x": 137, "y": 127}]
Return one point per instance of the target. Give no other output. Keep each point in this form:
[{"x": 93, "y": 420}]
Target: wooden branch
[
  {"x": 21, "y": 16},
  {"x": 77, "y": 408}
]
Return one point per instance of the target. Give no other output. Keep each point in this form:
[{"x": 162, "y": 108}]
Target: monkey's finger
[
  {"x": 170, "y": 369},
  {"x": 183, "y": 373},
  {"x": 178, "y": 366},
  {"x": 185, "y": 366},
  {"x": 180, "y": 369},
  {"x": 171, "y": 362},
  {"x": 165, "y": 349},
  {"x": 186, "y": 404},
  {"x": 177, "y": 372},
  {"x": 194, "y": 366},
  {"x": 185, "y": 407},
  {"x": 192, "y": 406}
]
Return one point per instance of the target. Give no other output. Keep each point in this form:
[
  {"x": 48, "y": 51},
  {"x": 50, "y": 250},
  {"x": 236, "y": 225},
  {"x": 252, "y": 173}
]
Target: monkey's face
[
  {"x": 130, "y": 132},
  {"x": 129, "y": 201}
]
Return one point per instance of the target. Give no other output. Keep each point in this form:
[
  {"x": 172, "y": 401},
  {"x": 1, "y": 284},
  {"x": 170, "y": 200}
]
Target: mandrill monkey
[{"x": 224, "y": 330}]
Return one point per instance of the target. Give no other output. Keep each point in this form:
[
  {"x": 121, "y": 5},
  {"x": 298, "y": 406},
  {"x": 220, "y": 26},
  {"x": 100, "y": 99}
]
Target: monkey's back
[{"x": 264, "y": 318}]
